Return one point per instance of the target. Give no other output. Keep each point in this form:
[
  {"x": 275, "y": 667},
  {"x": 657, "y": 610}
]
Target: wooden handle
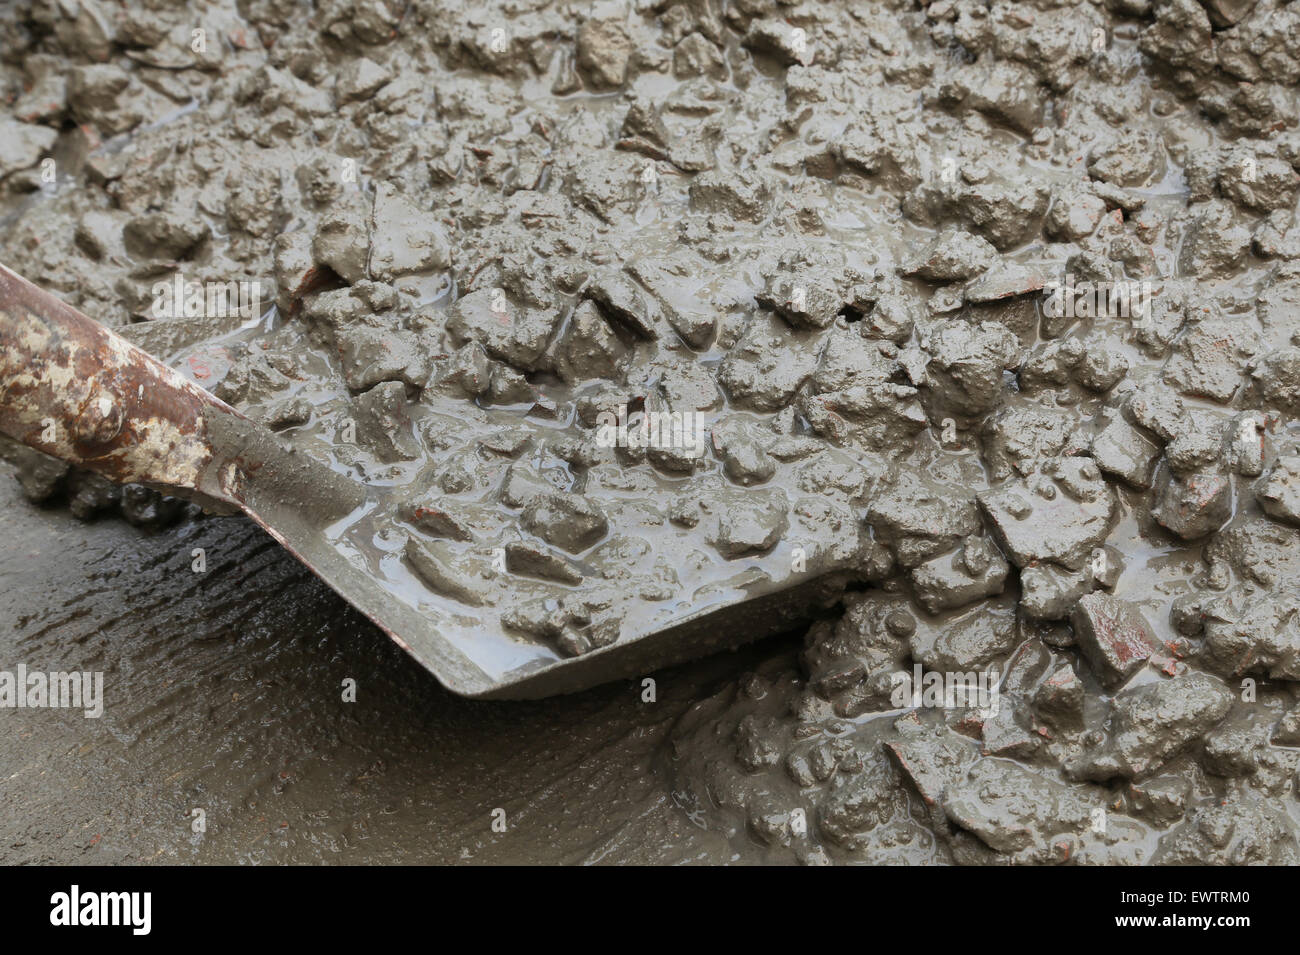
[{"x": 73, "y": 389}]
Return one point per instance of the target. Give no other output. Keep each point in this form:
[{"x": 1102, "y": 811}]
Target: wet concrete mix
[{"x": 983, "y": 314}]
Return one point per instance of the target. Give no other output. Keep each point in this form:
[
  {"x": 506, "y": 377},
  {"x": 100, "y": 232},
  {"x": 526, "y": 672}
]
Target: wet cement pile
[{"x": 988, "y": 311}]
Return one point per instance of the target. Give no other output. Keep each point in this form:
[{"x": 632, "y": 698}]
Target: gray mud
[{"x": 862, "y": 242}]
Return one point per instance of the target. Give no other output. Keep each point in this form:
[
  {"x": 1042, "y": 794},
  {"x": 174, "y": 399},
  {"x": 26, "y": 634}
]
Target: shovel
[{"x": 73, "y": 389}]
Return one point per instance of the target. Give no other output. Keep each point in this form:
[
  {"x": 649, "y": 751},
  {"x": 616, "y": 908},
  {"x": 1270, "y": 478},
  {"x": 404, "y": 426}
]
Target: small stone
[
  {"x": 523, "y": 558},
  {"x": 1195, "y": 505},
  {"x": 968, "y": 362},
  {"x": 1122, "y": 451},
  {"x": 383, "y": 423},
  {"x": 514, "y": 334},
  {"x": 23, "y": 144},
  {"x": 1193, "y": 450},
  {"x": 1130, "y": 159},
  {"x": 1287, "y": 731},
  {"x": 342, "y": 242},
  {"x": 776, "y": 38},
  {"x": 588, "y": 347},
  {"x": 1113, "y": 636},
  {"x": 406, "y": 240},
  {"x": 750, "y": 523},
  {"x": 370, "y": 355},
  {"x": 436, "y": 565},
  {"x": 1011, "y": 808},
  {"x": 1161, "y": 800},
  {"x": 1004, "y": 282},
  {"x": 1059, "y": 699},
  {"x": 523, "y": 485},
  {"x": 1159, "y": 410},
  {"x": 741, "y": 195},
  {"x": 1152, "y": 723},
  {"x": 806, "y": 298},
  {"x": 1050, "y": 592},
  {"x": 166, "y": 234},
  {"x": 1074, "y": 214},
  {"x": 1208, "y": 360},
  {"x": 604, "y": 50},
  {"x": 567, "y": 520},
  {"x": 953, "y": 255},
  {"x": 1278, "y": 492},
  {"x": 1232, "y": 746},
  {"x": 360, "y": 79},
  {"x": 1278, "y": 376},
  {"x": 1215, "y": 243},
  {"x": 1063, "y": 529},
  {"x": 968, "y": 643},
  {"x": 1004, "y": 734},
  {"x": 953, "y": 580},
  {"x": 746, "y": 462},
  {"x": 433, "y": 518}
]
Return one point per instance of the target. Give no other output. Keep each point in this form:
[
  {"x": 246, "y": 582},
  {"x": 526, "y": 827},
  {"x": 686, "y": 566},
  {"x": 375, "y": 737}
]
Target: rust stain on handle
[{"x": 73, "y": 389}]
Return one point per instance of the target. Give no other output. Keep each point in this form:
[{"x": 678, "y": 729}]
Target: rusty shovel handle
[{"x": 75, "y": 390}]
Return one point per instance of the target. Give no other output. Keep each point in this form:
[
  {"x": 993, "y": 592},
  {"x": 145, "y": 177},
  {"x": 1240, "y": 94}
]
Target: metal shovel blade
[{"x": 73, "y": 389}]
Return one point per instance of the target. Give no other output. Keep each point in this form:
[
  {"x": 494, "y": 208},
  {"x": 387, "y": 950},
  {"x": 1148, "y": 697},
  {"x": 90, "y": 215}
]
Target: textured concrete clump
[{"x": 988, "y": 309}]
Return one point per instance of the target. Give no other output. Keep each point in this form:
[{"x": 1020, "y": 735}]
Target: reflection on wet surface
[{"x": 224, "y": 692}]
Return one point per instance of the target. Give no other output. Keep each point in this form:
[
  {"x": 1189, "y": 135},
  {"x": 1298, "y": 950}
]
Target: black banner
[{"x": 333, "y": 906}]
